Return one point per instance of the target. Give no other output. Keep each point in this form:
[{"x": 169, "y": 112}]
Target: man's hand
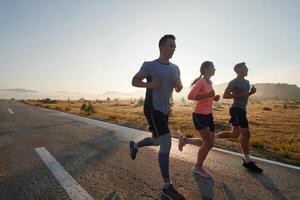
[
  {"x": 153, "y": 84},
  {"x": 178, "y": 85},
  {"x": 252, "y": 90}
]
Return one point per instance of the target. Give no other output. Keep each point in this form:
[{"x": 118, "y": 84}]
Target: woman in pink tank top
[{"x": 203, "y": 93}]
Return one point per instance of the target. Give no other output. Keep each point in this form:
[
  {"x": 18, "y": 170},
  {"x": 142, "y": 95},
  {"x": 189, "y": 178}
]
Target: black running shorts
[
  {"x": 203, "y": 121},
  {"x": 238, "y": 117},
  {"x": 158, "y": 122}
]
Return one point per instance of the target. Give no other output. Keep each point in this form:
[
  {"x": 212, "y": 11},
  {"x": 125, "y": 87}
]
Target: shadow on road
[
  {"x": 269, "y": 185},
  {"x": 205, "y": 186},
  {"x": 228, "y": 192}
]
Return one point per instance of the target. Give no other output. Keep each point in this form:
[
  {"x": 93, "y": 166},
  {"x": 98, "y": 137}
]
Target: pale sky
[{"x": 96, "y": 46}]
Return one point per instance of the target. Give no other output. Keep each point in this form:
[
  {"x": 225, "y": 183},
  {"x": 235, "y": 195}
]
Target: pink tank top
[{"x": 204, "y": 106}]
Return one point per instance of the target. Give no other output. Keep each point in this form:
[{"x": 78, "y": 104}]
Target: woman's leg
[
  {"x": 184, "y": 140},
  {"x": 207, "y": 143}
]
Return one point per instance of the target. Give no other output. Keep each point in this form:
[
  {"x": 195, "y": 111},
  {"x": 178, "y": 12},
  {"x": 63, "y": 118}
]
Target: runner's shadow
[
  {"x": 228, "y": 192},
  {"x": 269, "y": 185},
  {"x": 205, "y": 186}
]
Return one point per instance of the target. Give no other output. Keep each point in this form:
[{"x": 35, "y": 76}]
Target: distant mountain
[
  {"x": 279, "y": 91},
  {"x": 20, "y": 90}
]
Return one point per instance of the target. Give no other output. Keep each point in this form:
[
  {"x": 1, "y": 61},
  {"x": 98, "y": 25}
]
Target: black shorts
[
  {"x": 238, "y": 117},
  {"x": 158, "y": 122},
  {"x": 203, "y": 121}
]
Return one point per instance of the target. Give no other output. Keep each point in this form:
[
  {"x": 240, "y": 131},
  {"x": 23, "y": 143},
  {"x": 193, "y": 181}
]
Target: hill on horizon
[{"x": 265, "y": 91}]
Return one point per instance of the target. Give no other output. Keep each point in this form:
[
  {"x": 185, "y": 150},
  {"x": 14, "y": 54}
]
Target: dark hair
[
  {"x": 164, "y": 39},
  {"x": 204, "y": 65},
  {"x": 239, "y": 65}
]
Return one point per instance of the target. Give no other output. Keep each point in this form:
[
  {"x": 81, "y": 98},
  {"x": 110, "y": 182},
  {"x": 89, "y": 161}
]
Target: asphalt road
[{"x": 95, "y": 154}]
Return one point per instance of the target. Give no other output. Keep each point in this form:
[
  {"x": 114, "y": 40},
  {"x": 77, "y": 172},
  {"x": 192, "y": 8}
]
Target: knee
[
  {"x": 209, "y": 143},
  {"x": 165, "y": 147}
]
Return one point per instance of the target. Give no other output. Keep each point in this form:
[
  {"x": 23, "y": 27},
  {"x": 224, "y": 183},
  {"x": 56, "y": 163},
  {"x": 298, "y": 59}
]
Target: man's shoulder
[
  {"x": 233, "y": 81},
  {"x": 147, "y": 64},
  {"x": 238, "y": 81},
  {"x": 174, "y": 65}
]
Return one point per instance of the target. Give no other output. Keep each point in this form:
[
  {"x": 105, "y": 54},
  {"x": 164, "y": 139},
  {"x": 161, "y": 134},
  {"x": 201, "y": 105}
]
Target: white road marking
[
  {"x": 10, "y": 111},
  {"x": 257, "y": 158},
  {"x": 74, "y": 190}
]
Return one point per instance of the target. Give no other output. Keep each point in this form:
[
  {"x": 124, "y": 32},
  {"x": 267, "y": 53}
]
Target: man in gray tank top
[
  {"x": 162, "y": 77},
  {"x": 239, "y": 90}
]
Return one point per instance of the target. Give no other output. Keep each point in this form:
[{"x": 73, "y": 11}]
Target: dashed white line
[
  {"x": 74, "y": 190},
  {"x": 10, "y": 111}
]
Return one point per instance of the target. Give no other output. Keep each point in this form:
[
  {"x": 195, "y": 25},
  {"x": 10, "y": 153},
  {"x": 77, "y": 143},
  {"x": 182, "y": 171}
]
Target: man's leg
[
  {"x": 245, "y": 138},
  {"x": 148, "y": 141},
  {"x": 163, "y": 156}
]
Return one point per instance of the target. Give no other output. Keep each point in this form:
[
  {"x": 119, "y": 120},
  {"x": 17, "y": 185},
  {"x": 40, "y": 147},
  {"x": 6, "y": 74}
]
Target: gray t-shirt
[
  {"x": 167, "y": 75},
  {"x": 239, "y": 85}
]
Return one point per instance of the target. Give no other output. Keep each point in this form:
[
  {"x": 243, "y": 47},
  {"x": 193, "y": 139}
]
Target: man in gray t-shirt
[
  {"x": 239, "y": 90},
  {"x": 162, "y": 77}
]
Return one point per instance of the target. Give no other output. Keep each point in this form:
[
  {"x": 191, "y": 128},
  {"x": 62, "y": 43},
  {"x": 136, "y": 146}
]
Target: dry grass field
[{"x": 274, "y": 125}]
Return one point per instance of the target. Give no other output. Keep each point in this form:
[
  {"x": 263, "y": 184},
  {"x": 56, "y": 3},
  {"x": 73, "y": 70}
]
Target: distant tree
[
  {"x": 140, "y": 101},
  {"x": 132, "y": 101},
  {"x": 171, "y": 105},
  {"x": 91, "y": 109},
  {"x": 83, "y": 107},
  {"x": 88, "y": 108},
  {"x": 183, "y": 101}
]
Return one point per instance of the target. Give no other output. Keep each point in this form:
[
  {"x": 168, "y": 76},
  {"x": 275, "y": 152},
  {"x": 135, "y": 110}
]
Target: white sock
[
  {"x": 166, "y": 185},
  {"x": 136, "y": 146},
  {"x": 247, "y": 158}
]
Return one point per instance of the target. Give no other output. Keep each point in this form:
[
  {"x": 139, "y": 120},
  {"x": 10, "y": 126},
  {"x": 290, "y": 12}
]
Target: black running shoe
[
  {"x": 252, "y": 166},
  {"x": 171, "y": 193},
  {"x": 133, "y": 151}
]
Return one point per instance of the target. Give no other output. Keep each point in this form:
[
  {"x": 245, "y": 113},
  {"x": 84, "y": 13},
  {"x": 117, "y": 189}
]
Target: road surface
[{"x": 46, "y": 154}]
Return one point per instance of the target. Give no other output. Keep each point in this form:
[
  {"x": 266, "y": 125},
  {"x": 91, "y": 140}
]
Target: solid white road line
[
  {"x": 257, "y": 158},
  {"x": 74, "y": 190},
  {"x": 10, "y": 111}
]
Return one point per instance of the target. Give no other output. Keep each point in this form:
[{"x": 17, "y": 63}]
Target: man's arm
[
  {"x": 252, "y": 91},
  {"x": 178, "y": 86},
  {"x": 137, "y": 81},
  {"x": 229, "y": 94}
]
